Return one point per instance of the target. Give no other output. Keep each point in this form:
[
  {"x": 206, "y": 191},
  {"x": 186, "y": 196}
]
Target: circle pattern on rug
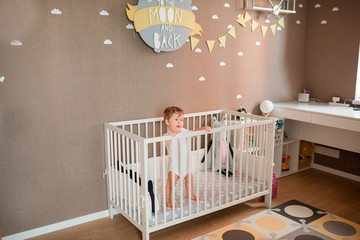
[
  {"x": 271, "y": 223},
  {"x": 237, "y": 234},
  {"x": 339, "y": 228},
  {"x": 308, "y": 237},
  {"x": 299, "y": 211}
]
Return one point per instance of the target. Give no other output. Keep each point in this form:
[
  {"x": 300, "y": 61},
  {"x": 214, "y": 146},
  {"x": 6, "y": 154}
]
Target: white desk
[{"x": 337, "y": 127}]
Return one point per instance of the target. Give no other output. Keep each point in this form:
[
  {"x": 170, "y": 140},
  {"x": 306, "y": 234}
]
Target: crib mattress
[{"x": 215, "y": 196}]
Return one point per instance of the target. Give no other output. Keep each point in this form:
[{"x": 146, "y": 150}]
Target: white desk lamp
[{"x": 266, "y": 107}]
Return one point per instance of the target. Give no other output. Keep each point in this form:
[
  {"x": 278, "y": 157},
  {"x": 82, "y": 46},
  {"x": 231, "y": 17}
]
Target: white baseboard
[
  {"x": 57, "y": 226},
  {"x": 337, "y": 172}
]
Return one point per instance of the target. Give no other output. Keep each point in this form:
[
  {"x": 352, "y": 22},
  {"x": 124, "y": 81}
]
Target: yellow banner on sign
[{"x": 158, "y": 15}]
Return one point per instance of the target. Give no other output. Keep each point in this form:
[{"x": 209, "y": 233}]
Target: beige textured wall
[
  {"x": 63, "y": 83},
  {"x": 332, "y": 49}
]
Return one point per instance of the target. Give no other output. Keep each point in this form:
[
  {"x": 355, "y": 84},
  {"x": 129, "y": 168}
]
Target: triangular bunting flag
[
  {"x": 222, "y": 40},
  {"x": 193, "y": 41},
  {"x": 241, "y": 21},
  {"x": 231, "y": 32},
  {"x": 210, "y": 44},
  {"x": 246, "y": 16},
  {"x": 254, "y": 25},
  {"x": 273, "y": 28},
  {"x": 264, "y": 29},
  {"x": 196, "y": 29},
  {"x": 281, "y": 22}
]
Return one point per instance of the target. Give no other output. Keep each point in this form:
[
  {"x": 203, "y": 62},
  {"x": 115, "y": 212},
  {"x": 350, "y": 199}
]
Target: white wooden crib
[{"x": 136, "y": 162}]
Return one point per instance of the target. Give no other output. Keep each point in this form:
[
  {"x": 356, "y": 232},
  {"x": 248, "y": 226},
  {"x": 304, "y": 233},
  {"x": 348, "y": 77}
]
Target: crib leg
[
  {"x": 111, "y": 212},
  {"x": 145, "y": 236},
  {"x": 268, "y": 200}
]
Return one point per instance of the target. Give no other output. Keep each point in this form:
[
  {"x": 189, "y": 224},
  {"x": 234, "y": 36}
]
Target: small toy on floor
[
  {"x": 285, "y": 163},
  {"x": 274, "y": 189}
]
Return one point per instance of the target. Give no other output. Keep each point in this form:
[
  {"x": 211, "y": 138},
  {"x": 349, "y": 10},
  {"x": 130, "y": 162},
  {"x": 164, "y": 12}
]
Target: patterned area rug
[{"x": 290, "y": 220}]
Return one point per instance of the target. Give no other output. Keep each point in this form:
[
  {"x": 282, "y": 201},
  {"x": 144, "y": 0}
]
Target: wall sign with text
[{"x": 164, "y": 25}]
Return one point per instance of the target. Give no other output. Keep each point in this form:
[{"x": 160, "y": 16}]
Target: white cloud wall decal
[
  {"x": 104, "y": 13},
  {"x": 56, "y": 11},
  {"x": 16, "y": 43}
]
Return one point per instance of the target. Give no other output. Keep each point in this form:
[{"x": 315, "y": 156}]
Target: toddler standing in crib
[{"x": 179, "y": 152}]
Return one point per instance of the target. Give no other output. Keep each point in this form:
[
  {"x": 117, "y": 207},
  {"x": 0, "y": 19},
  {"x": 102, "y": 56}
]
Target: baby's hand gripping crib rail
[{"x": 229, "y": 165}]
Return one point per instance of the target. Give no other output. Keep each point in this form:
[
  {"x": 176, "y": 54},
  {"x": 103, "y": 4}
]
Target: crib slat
[
  {"x": 182, "y": 191},
  {"x": 199, "y": 122},
  {"x": 247, "y": 160},
  {"x": 227, "y": 167},
  {"x": 123, "y": 184},
  {"x": 155, "y": 180},
  {"x": 253, "y": 160},
  {"x": 124, "y": 175},
  {"x": 163, "y": 178},
  {"x": 118, "y": 169},
  {"x": 197, "y": 172},
  {"x": 218, "y": 141},
  {"x": 134, "y": 173},
  {"x": 242, "y": 149},
  {"x": 213, "y": 172},
  {"x": 205, "y": 167},
  {"x": 138, "y": 181},
  {"x": 188, "y": 191},
  {"x": 173, "y": 190},
  {"x": 258, "y": 157},
  {"x": 237, "y": 141},
  {"x": 233, "y": 166},
  {"x": 146, "y": 130},
  {"x": 128, "y": 176},
  {"x": 161, "y": 130}
]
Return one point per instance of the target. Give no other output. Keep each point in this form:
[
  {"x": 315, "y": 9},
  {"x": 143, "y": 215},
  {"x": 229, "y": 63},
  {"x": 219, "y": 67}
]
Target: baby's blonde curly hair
[{"x": 169, "y": 111}]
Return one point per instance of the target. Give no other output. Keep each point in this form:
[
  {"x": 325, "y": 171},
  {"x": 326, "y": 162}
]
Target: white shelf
[
  {"x": 290, "y": 147},
  {"x": 290, "y": 141}
]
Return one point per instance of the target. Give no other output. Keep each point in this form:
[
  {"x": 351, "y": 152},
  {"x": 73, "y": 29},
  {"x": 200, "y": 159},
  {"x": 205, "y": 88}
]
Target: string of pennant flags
[{"x": 242, "y": 20}]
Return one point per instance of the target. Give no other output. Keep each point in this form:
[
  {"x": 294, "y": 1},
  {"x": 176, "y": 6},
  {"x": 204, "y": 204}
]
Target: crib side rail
[
  {"x": 124, "y": 152},
  {"x": 155, "y": 127}
]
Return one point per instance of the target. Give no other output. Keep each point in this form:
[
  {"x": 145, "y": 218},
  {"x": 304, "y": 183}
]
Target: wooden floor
[{"x": 328, "y": 192}]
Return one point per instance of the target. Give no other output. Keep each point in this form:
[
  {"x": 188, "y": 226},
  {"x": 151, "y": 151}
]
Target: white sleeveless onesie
[{"x": 179, "y": 154}]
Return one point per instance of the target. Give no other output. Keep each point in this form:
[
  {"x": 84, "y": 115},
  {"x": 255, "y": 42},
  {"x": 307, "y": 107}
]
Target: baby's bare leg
[
  {"x": 193, "y": 196},
  {"x": 169, "y": 185}
]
